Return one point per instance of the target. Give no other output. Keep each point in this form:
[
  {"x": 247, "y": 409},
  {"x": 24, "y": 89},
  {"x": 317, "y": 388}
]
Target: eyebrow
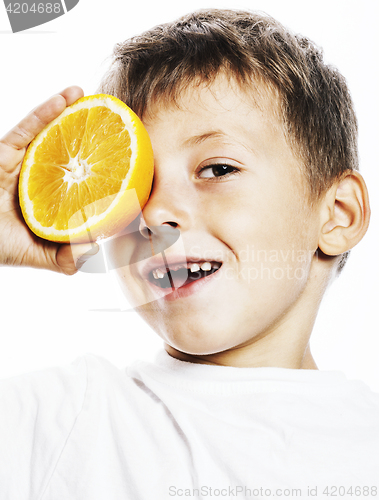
[
  {"x": 213, "y": 134},
  {"x": 198, "y": 139}
]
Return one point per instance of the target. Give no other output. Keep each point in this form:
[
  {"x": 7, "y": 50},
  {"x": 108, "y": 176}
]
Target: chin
[
  {"x": 200, "y": 345},
  {"x": 193, "y": 334}
]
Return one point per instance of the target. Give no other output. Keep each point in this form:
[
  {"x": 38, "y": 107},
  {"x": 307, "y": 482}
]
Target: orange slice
[{"x": 88, "y": 174}]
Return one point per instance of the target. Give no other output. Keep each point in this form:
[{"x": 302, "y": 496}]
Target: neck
[{"x": 237, "y": 359}]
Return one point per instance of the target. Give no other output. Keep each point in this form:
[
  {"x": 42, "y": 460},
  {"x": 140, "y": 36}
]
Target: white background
[{"x": 48, "y": 319}]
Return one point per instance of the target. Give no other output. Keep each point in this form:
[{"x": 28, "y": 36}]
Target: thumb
[{"x": 70, "y": 258}]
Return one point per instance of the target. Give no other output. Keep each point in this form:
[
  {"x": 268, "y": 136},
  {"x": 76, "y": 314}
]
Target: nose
[
  {"x": 147, "y": 231},
  {"x": 168, "y": 206}
]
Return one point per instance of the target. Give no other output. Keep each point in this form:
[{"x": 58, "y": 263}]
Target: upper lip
[{"x": 171, "y": 260}]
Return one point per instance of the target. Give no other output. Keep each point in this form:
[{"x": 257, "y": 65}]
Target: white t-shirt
[{"x": 173, "y": 429}]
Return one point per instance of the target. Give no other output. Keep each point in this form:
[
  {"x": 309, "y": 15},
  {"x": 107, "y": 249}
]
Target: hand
[{"x": 18, "y": 245}]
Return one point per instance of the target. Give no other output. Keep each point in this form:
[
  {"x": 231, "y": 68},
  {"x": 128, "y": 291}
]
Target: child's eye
[{"x": 217, "y": 170}]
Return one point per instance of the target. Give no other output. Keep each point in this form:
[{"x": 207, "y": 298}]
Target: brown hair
[{"x": 316, "y": 107}]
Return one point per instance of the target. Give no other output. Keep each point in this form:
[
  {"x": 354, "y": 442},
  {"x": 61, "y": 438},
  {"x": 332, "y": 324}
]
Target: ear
[{"x": 345, "y": 214}]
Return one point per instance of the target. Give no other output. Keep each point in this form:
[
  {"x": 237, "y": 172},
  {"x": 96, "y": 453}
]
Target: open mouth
[{"x": 178, "y": 276}]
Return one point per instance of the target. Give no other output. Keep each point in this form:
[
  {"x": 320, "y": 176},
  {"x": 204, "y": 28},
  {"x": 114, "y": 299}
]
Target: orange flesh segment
[
  {"x": 97, "y": 136},
  {"x": 73, "y": 127}
]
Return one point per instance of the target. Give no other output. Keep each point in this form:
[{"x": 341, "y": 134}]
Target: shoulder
[
  {"x": 60, "y": 389},
  {"x": 364, "y": 399},
  {"x": 362, "y": 392},
  {"x": 38, "y": 412},
  {"x": 45, "y": 387},
  {"x": 42, "y": 412}
]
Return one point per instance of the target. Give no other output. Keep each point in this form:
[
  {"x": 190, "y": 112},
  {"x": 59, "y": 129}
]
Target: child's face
[{"x": 227, "y": 179}]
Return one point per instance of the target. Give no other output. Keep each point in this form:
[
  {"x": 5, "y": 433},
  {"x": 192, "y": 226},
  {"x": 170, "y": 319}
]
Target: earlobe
[{"x": 345, "y": 214}]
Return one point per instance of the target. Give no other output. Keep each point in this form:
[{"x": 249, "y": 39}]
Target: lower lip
[{"x": 186, "y": 290}]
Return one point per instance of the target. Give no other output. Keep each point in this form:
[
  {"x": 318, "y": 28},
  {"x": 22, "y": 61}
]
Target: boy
[{"x": 254, "y": 141}]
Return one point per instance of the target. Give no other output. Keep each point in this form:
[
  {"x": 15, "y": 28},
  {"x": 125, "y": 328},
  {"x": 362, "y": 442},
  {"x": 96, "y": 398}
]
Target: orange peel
[{"x": 88, "y": 173}]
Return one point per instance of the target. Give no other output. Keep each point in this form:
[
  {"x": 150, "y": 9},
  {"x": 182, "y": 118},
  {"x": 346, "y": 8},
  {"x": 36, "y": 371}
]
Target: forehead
[
  {"x": 223, "y": 110},
  {"x": 220, "y": 94}
]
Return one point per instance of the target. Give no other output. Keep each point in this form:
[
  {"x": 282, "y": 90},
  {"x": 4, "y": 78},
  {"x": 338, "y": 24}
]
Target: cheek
[
  {"x": 126, "y": 284},
  {"x": 136, "y": 292},
  {"x": 270, "y": 236}
]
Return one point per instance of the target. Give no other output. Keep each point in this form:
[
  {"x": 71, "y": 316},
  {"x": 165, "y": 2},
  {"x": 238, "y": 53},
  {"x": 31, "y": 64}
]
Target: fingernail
[{"x": 93, "y": 250}]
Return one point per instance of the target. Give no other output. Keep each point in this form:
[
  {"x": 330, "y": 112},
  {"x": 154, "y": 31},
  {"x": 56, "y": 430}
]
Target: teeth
[
  {"x": 158, "y": 274},
  {"x": 206, "y": 266}
]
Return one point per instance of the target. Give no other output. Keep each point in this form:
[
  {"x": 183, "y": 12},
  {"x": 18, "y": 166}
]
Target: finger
[
  {"x": 25, "y": 131},
  {"x": 71, "y": 257},
  {"x": 72, "y": 94}
]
